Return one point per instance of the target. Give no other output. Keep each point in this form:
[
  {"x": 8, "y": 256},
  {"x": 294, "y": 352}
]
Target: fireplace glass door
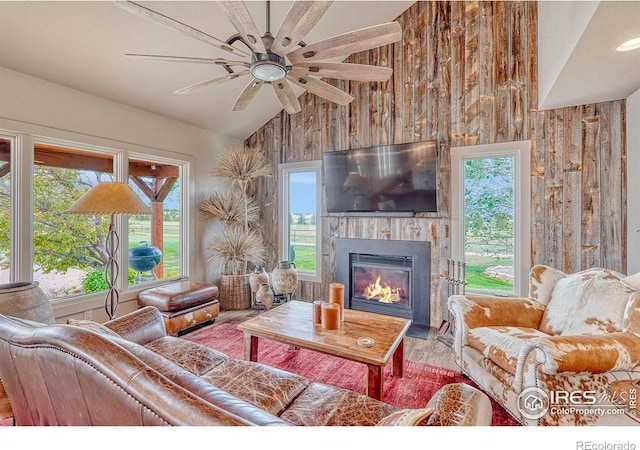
[{"x": 381, "y": 279}]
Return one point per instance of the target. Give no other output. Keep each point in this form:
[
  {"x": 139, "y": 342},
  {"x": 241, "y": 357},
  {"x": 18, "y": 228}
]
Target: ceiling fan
[{"x": 268, "y": 55}]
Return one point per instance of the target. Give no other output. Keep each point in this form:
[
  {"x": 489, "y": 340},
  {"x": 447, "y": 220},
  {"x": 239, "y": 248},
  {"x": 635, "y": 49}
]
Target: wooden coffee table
[{"x": 292, "y": 323}]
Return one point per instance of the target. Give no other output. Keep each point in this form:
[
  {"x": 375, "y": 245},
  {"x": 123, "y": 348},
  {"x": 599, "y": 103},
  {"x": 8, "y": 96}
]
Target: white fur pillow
[
  {"x": 632, "y": 281},
  {"x": 589, "y": 302}
]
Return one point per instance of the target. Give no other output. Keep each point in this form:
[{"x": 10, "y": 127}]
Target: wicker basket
[{"x": 234, "y": 292}]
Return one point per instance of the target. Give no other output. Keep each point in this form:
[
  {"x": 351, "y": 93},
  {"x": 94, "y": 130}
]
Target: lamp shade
[{"x": 108, "y": 198}]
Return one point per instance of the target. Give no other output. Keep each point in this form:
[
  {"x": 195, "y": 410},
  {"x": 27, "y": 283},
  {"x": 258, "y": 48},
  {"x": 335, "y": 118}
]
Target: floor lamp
[{"x": 113, "y": 199}]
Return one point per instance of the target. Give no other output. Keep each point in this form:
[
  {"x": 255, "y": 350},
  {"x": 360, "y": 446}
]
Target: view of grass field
[
  {"x": 475, "y": 268},
  {"x": 302, "y": 238},
  {"x": 303, "y": 241}
]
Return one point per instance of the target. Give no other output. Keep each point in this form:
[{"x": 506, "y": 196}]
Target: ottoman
[{"x": 183, "y": 304}]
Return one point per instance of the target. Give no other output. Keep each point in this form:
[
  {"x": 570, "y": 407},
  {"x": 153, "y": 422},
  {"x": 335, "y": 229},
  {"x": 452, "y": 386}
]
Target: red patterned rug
[{"x": 419, "y": 383}]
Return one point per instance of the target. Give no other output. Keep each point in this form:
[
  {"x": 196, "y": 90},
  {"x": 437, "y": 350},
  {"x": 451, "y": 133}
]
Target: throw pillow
[
  {"x": 93, "y": 326},
  {"x": 632, "y": 281},
  {"x": 406, "y": 417},
  {"x": 592, "y": 301}
]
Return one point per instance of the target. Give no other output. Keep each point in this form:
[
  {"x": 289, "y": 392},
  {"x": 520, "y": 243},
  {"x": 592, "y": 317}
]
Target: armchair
[{"x": 569, "y": 354}]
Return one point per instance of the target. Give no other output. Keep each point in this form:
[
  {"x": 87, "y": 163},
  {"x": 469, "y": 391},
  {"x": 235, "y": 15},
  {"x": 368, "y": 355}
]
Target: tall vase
[
  {"x": 284, "y": 279},
  {"x": 26, "y": 300}
]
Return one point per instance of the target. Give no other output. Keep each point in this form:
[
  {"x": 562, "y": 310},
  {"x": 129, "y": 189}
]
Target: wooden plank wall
[{"x": 465, "y": 73}]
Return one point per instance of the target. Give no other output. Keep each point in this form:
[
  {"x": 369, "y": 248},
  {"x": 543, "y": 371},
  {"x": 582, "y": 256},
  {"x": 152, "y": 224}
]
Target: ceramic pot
[
  {"x": 264, "y": 295},
  {"x": 26, "y": 301},
  {"x": 258, "y": 277},
  {"x": 284, "y": 278}
]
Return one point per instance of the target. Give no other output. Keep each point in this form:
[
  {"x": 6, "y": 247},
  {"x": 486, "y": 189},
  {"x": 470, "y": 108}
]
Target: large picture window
[
  {"x": 66, "y": 253},
  {"x": 300, "y": 228},
  {"x": 490, "y": 216}
]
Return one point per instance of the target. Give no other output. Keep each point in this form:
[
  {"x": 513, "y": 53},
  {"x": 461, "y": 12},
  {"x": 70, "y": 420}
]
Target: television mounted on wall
[{"x": 397, "y": 178}]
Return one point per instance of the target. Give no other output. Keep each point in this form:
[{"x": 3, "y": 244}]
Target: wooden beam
[
  {"x": 145, "y": 169},
  {"x": 54, "y": 158},
  {"x": 165, "y": 189},
  {"x": 157, "y": 233},
  {"x": 5, "y": 150}
]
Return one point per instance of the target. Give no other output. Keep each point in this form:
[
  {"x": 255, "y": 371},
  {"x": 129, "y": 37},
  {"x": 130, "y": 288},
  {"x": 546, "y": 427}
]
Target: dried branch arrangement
[{"x": 240, "y": 247}]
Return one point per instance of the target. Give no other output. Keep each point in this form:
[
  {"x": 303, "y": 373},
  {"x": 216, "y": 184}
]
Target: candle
[
  {"x": 330, "y": 316},
  {"x": 336, "y": 295},
  {"x": 317, "y": 311}
]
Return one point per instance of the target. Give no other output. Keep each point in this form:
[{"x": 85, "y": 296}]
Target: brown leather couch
[{"x": 130, "y": 372}]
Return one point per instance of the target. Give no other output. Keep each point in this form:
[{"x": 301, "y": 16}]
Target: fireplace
[{"x": 386, "y": 277}]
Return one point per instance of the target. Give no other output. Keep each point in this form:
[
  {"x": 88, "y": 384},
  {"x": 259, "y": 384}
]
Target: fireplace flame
[{"x": 385, "y": 294}]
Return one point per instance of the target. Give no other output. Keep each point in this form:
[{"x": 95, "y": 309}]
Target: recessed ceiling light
[{"x": 631, "y": 44}]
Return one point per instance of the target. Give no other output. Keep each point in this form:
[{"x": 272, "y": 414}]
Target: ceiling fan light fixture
[
  {"x": 268, "y": 71},
  {"x": 268, "y": 67}
]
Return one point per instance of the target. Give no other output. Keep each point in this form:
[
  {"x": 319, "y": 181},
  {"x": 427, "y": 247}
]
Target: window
[
  {"x": 65, "y": 252},
  {"x": 490, "y": 216},
  {"x": 68, "y": 250},
  {"x": 154, "y": 241},
  {"x": 299, "y": 212}
]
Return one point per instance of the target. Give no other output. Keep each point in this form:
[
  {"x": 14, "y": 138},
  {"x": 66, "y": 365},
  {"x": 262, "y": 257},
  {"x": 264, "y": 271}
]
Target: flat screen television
[{"x": 392, "y": 178}]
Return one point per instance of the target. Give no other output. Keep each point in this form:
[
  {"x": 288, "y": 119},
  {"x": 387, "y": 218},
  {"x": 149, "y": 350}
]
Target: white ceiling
[
  {"x": 577, "y": 61},
  {"x": 81, "y": 45}
]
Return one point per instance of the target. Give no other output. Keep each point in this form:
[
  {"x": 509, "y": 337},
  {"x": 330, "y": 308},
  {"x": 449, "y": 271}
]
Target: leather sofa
[
  {"x": 130, "y": 372},
  {"x": 569, "y": 354}
]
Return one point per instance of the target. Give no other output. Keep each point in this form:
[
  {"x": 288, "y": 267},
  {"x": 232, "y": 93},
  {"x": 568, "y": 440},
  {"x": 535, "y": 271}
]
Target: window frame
[
  {"x": 284, "y": 170},
  {"x": 521, "y": 153}
]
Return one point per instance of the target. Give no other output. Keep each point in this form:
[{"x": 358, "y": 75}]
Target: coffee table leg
[
  {"x": 398, "y": 360},
  {"x": 250, "y": 347},
  {"x": 375, "y": 378}
]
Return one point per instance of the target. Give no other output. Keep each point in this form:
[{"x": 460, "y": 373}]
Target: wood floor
[{"x": 429, "y": 351}]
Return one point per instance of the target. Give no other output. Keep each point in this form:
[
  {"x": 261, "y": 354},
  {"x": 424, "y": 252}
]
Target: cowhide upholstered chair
[{"x": 569, "y": 354}]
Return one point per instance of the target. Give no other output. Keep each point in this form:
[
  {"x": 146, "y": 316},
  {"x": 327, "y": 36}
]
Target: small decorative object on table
[
  {"x": 366, "y": 342},
  {"x": 285, "y": 279},
  {"x": 264, "y": 296}
]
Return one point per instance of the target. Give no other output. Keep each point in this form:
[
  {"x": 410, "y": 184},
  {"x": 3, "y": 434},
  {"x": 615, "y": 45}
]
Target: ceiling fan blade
[
  {"x": 320, "y": 88},
  {"x": 347, "y": 43},
  {"x": 300, "y": 19},
  {"x": 215, "y": 81},
  {"x": 247, "y": 95},
  {"x": 286, "y": 96},
  {"x": 345, "y": 71},
  {"x": 239, "y": 16},
  {"x": 187, "y": 59},
  {"x": 179, "y": 26}
]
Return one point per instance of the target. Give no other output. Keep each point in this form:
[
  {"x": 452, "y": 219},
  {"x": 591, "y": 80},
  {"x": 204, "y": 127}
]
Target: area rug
[{"x": 413, "y": 390}]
